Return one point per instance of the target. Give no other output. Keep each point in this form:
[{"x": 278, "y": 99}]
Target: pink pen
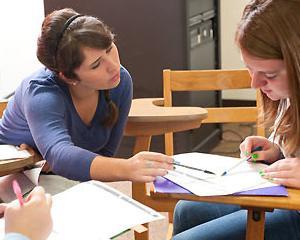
[{"x": 17, "y": 191}]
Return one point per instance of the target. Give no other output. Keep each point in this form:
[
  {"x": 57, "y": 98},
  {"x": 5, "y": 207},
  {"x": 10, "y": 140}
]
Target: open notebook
[
  {"x": 27, "y": 179},
  {"x": 94, "y": 211},
  {"x": 244, "y": 179},
  {"x": 8, "y": 152}
]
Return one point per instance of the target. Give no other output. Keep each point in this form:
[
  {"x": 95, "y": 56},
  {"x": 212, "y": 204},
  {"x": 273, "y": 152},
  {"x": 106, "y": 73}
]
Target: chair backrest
[{"x": 213, "y": 80}]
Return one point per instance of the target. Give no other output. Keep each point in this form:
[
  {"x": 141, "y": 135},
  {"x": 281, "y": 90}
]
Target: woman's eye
[
  {"x": 270, "y": 76},
  {"x": 96, "y": 65}
]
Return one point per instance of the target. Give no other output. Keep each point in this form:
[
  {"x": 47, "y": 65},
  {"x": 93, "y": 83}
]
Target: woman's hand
[
  {"x": 46, "y": 168},
  {"x": 284, "y": 172},
  {"x": 24, "y": 146},
  {"x": 270, "y": 151},
  {"x": 33, "y": 219},
  {"x": 145, "y": 166}
]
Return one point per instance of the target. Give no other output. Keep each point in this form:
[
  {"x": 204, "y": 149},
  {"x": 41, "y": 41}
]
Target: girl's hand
[
  {"x": 145, "y": 166},
  {"x": 270, "y": 151},
  {"x": 33, "y": 219},
  {"x": 284, "y": 172}
]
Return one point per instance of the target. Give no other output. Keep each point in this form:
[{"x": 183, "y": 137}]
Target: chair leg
[
  {"x": 170, "y": 231},
  {"x": 142, "y": 235},
  {"x": 170, "y": 226}
]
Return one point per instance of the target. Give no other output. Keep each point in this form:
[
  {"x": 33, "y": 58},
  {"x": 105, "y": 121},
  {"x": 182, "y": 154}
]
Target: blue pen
[{"x": 258, "y": 148}]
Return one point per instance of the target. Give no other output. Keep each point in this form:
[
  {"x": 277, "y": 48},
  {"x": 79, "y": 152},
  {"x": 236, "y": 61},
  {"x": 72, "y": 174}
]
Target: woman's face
[
  {"x": 100, "y": 68},
  {"x": 269, "y": 75}
]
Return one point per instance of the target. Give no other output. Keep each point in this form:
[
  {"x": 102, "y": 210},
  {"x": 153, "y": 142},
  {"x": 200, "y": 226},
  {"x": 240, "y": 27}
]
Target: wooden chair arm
[{"x": 148, "y": 117}]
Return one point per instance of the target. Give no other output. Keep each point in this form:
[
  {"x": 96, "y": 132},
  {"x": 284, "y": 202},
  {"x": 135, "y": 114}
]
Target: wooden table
[
  {"x": 148, "y": 117},
  {"x": 255, "y": 205},
  {"x": 17, "y": 165}
]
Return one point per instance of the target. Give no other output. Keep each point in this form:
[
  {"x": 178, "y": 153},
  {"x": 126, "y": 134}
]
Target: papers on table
[
  {"x": 93, "y": 210},
  {"x": 244, "y": 177},
  {"x": 8, "y": 152},
  {"x": 27, "y": 179}
]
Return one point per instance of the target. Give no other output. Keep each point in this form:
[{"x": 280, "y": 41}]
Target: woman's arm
[{"x": 45, "y": 110}]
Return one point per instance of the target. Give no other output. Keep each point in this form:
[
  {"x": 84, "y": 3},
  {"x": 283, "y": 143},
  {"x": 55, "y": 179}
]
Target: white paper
[
  {"x": 8, "y": 152},
  {"x": 27, "y": 181},
  {"x": 244, "y": 177},
  {"x": 93, "y": 210}
]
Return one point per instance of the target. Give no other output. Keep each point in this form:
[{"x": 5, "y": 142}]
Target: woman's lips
[{"x": 115, "y": 78}]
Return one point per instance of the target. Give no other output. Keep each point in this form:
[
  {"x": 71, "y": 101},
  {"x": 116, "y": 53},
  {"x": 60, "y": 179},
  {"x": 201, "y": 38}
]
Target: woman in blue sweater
[{"x": 74, "y": 110}]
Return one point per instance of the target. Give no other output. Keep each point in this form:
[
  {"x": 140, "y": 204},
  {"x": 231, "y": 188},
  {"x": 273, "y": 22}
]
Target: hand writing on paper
[
  {"x": 284, "y": 172},
  {"x": 270, "y": 151},
  {"x": 145, "y": 166},
  {"x": 33, "y": 219}
]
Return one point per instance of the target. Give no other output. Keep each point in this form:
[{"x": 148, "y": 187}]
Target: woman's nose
[
  {"x": 257, "y": 81},
  {"x": 112, "y": 64}
]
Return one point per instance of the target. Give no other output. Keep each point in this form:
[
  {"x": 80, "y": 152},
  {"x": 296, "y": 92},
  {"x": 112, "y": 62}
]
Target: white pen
[{"x": 258, "y": 148}]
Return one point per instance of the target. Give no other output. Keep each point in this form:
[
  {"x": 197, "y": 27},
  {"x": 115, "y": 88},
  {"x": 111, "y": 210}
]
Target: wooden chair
[
  {"x": 212, "y": 80},
  {"x": 188, "y": 80},
  {"x": 149, "y": 117},
  {"x": 3, "y": 104}
]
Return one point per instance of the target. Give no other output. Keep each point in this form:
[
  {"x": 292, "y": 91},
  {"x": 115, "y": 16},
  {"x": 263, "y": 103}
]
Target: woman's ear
[{"x": 70, "y": 81}]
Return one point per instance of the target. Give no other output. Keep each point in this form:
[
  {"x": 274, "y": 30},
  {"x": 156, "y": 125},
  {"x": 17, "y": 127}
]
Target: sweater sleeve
[
  {"x": 123, "y": 98},
  {"x": 44, "y": 111},
  {"x": 15, "y": 236}
]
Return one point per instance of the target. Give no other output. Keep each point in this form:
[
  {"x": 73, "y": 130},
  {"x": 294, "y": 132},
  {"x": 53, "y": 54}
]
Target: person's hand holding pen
[
  {"x": 269, "y": 151},
  {"x": 33, "y": 218},
  {"x": 284, "y": 172},
  {"x": 146, "y": 166}
]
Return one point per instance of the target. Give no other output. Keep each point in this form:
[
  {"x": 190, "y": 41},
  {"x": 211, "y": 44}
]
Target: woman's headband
[{"x": 66, "y": 25}]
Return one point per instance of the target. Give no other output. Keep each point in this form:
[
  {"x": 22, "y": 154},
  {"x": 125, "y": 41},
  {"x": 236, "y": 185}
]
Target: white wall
[
  {"x": 20, "y": 23},
  {"x": 231, "y": 11}
]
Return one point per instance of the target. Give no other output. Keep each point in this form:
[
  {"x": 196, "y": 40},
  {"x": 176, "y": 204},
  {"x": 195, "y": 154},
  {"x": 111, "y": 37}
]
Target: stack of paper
[
  {"x": 242, "y": 178},
  {"x": 8, "y": 152}
]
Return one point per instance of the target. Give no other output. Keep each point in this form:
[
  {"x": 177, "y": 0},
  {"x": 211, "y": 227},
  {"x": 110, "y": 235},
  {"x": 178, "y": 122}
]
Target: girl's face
[
  {"x": 269, "y": 75},
  {"x": 100, "y": 68}
]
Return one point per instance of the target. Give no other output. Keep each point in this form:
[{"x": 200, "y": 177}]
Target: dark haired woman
[{"x": 73, "y": 111}]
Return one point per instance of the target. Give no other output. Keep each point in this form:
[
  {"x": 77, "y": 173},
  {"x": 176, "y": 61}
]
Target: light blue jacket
[{"x": 15, "y": 236}]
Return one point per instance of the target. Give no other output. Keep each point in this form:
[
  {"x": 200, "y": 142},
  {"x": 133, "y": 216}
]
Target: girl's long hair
[{"x": 269, "y": 29}]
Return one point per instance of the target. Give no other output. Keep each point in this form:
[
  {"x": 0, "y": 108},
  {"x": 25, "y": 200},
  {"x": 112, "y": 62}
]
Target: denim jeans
[{"x": 200, "y": 220}]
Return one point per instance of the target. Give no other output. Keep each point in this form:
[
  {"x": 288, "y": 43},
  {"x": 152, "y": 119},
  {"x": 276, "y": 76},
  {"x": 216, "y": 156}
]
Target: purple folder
[{"x": 164, "y": 185}]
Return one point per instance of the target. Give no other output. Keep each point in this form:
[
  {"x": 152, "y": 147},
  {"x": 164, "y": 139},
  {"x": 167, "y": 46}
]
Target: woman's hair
[
  {"x": 64, "y": 33},
  {"x": 269, "y": 29}
]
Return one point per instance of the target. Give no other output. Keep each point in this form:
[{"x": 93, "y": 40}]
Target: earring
[{"x": 74, "y": 83}]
